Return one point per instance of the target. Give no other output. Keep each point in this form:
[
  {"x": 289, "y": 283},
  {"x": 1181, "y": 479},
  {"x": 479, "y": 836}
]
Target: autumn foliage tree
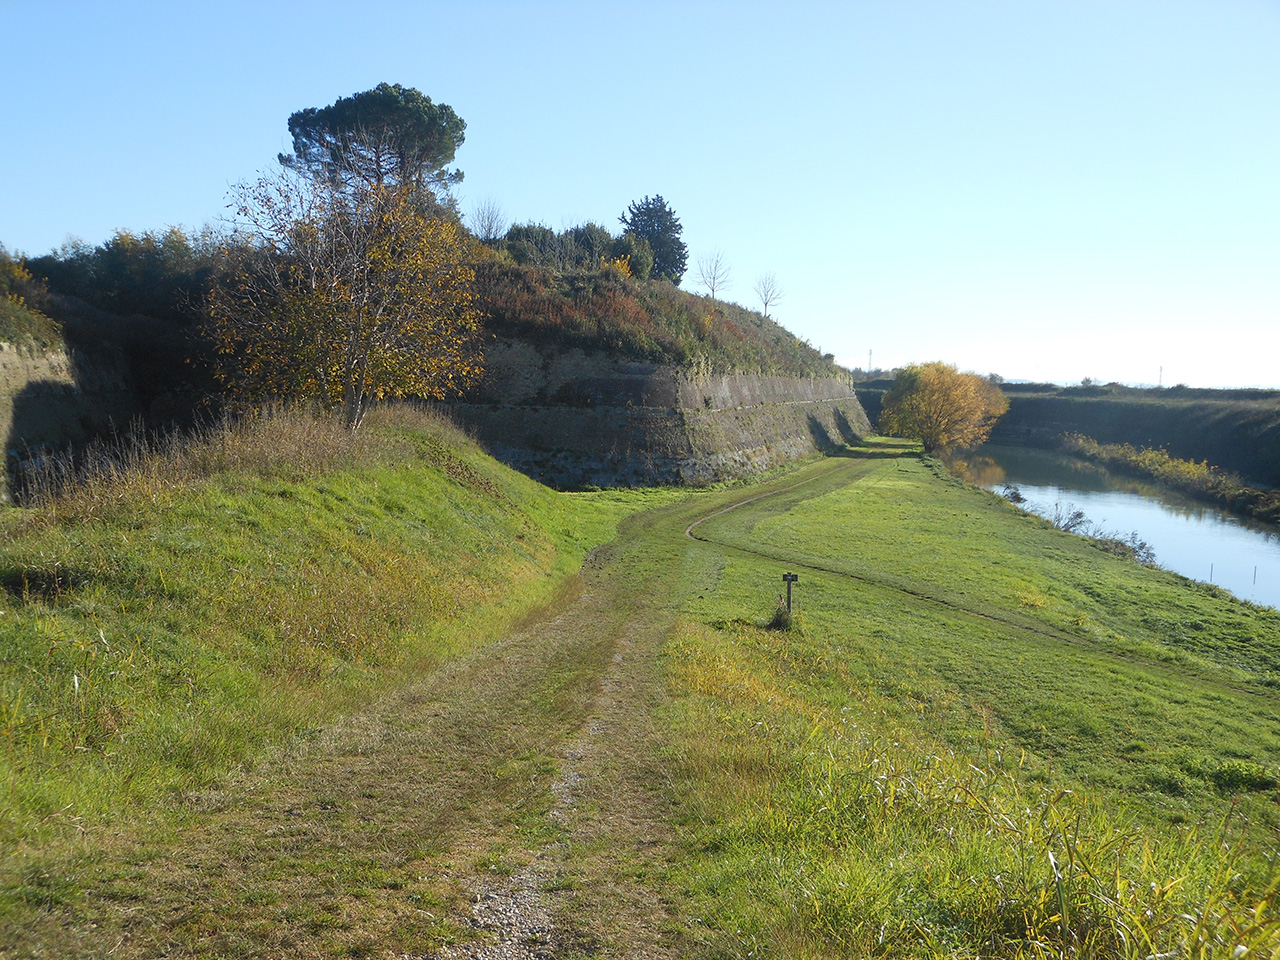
[
  {"x": 343, "y": 295},
  {"x": 941, "y": 407}
]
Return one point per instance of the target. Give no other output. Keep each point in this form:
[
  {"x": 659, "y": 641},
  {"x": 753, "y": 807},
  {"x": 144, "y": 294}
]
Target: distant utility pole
[
  {"x": 1160, "y": 379},
  {"x": 868, "y": 364}
]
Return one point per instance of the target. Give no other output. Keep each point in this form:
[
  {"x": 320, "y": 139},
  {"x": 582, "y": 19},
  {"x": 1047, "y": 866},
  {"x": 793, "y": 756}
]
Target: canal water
[{"x": 1188, "y": 537}]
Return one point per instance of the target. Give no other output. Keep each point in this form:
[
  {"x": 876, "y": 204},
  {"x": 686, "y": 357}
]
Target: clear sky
[{"x": 1044, "y": 189}]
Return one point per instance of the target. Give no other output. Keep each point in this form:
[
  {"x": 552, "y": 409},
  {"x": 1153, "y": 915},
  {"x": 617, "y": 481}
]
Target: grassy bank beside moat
[
  {"x": 318, "y": 710},
  {"x": 1235, "y": 430}
]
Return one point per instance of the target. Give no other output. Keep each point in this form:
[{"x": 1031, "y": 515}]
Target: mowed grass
[
  {"x": 981, "y": 737},
  {"x": 987, "y": 738},
  {"x": 162, "y": 626}
]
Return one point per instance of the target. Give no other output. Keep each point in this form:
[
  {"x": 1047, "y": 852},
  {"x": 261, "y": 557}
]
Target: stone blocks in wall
[
  {"x": 51, "y": 398},
  {"x": 575, "y": 419}
]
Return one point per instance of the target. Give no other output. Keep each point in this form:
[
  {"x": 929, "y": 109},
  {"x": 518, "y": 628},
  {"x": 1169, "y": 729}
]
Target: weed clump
[{"x": 782, "y": 618}]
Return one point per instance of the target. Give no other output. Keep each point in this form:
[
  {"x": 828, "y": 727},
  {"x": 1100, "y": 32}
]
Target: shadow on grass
[
  {"x": 40, "y": 583},
  {"x": 876, "y": 452}
]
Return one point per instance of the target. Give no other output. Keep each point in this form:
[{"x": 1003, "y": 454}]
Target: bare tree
[
  {"x": 713, "y": 271},
  {"x": 489, "y": 221},
  {"x": 768, "y": 290}
]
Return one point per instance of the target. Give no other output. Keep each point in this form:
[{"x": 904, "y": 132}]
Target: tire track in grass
[
  {"x": 595, "y": 813},
  {"x": 1035, "y": 629}
]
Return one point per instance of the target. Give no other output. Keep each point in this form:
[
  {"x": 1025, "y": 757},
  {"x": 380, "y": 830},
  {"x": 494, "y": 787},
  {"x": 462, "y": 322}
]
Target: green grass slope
[
  {"x": 982, "y": 737},
  {"x": 989, "y": 738},
  {"x": 651, "y": 320},
  {"x": 159, "y": 627}
]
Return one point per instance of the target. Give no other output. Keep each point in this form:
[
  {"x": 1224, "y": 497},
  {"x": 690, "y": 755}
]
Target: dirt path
[
  {"x": 516, "y": 803},
  {"x": 597, "y": 887},
  {"x": 488, "y": 808},
  {"x": 607, "y": 809}
]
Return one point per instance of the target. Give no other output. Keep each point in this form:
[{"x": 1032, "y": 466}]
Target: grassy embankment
[
  {"x": 986, "y": 737},
  {"x": 989, "y": 738},
  {"x": 652, "y": 320},
  {"x": 161, "y": 626},
  {"x": 1236, "y": 430}
]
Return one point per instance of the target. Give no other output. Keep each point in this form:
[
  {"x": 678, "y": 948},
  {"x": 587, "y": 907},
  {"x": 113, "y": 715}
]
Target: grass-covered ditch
[{"x": 980, "y": 736}]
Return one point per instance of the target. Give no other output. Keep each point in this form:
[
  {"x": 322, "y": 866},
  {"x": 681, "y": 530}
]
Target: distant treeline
[
  {"x": 140, "y": 297},
  {"x": 1180, "y": 391}
]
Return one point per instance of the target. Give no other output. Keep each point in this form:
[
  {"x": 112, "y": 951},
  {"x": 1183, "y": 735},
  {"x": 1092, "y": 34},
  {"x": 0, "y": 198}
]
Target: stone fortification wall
[
  {"x": 571, "y": 418},
  {"x": 567, "y": 417},
  {"x": 54, "y": 398}
]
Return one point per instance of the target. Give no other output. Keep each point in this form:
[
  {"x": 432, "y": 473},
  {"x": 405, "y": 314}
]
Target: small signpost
[{"x": 789, "y": 579}]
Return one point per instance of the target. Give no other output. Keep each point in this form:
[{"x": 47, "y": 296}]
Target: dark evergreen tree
[
  {"x": 655, "y": 222},
  {"x": 390, "y": 134}
]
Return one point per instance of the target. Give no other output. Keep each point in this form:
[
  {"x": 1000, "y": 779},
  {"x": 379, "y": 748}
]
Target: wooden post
[{"x": 789, "y": 579}]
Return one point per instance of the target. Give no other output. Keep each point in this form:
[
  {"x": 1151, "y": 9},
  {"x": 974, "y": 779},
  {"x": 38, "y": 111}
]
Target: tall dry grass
[{"x": 141, "y": 464}]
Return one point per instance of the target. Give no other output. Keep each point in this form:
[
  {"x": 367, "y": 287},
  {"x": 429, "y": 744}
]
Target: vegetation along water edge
[{"x": 1199, "y": 479}]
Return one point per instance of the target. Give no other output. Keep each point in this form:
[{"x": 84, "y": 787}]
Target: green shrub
[
  {"x": 638, "y": 253},
  {"x": 21, "y": 323},
  {"x": 1235, "y": 775}
]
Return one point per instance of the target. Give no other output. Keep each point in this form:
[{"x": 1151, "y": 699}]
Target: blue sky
[{"x": 1041, "y": 189}]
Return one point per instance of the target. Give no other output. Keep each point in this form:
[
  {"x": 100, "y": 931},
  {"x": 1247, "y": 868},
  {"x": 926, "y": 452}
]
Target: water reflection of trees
[
  {"x": 1042, "y": 471},
  {"x": 979, "y": 470}
]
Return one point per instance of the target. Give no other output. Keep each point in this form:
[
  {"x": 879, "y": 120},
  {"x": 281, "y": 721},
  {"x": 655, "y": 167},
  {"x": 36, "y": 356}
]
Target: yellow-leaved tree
[
  {"x": 941, "y": 407},
  {"x": 344, "y": 296}
]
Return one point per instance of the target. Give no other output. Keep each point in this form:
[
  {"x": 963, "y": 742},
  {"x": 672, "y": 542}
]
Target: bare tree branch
[
  {"x": 713, "y": 271},
  {"x": 488, "y": 221},
  {"x": 768, "y": 290}
]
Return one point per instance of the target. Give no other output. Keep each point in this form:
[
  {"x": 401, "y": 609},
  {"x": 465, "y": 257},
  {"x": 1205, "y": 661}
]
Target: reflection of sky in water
[{"x": 1191, "y": 538}]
